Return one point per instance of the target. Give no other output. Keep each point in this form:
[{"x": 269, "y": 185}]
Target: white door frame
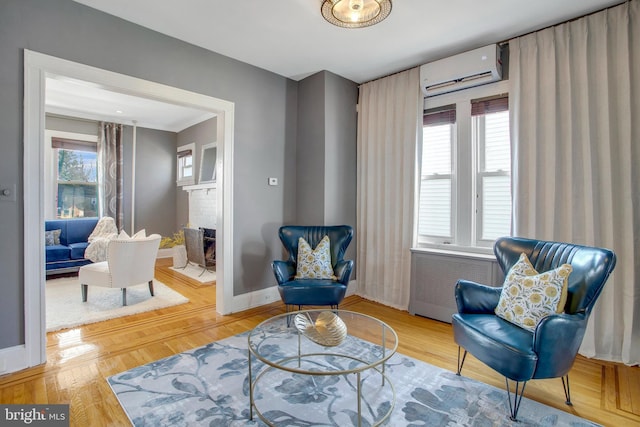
[{"x": 37, "y": 67}]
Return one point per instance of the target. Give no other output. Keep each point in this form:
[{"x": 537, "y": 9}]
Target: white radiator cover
[{"x": 434, "y": 275}]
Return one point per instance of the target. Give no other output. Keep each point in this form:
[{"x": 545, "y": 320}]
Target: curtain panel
[
  {"x": 389, "y": 123},
  {"x": 575, "y": 120},
  {"x": 110, "y": 175}
]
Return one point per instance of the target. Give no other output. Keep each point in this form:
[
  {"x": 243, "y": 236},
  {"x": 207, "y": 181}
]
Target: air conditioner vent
[{"x": 468, "y": 69}]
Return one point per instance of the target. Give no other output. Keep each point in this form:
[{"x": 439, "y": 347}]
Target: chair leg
[
  {"x": 517, "y": 398},
  {"x": 124, "y": 296},
  {"x": 151, "y": 287},
  {"x": 289, "y": 309},
  {"x": 461, "y": 362},
  {"x": 567, "y": 390},
  {"x": 84, "y": 292}
]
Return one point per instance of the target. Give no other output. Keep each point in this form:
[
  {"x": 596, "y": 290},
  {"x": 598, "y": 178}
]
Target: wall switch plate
[
  {"x": 273, "y": 181},
  {"x": 8, "y": 192}
]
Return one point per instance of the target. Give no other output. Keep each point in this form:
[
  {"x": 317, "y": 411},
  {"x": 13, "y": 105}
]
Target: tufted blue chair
[
  {"x": 549, "y": 351},
  {"x": 313, "y": 291}
]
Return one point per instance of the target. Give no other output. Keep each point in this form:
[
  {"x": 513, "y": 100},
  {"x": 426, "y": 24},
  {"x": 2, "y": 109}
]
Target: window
[
  {"x": 490, "y": 124},
  {"x": 76, "y": 178},
  {"x": 435, "y": 213},
  {"x": 465, "y": 179},
  {"x": 184, "y": 170}
]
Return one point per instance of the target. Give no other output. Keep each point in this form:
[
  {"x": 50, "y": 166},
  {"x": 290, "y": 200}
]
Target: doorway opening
[{"x": 39, "y": 67}]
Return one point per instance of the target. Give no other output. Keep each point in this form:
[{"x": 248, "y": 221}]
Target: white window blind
[
  {"x": 491, "y": 127},
  {"x": 435, "y": 204}
]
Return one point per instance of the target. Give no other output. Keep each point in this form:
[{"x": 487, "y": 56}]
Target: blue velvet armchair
[
  {"x": 299, "y": 292},
  {"x": 550, "y": 350}
]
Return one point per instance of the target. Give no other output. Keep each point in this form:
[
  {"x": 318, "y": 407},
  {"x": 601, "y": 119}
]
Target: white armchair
[{"x": 130, "y": 262}]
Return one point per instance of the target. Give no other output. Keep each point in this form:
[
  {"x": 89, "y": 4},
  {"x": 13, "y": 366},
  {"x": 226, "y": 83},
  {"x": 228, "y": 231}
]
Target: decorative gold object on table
[{"x": 328, "y": 330}]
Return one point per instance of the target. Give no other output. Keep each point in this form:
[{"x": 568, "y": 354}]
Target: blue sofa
[{"x": 68, "y": 256}]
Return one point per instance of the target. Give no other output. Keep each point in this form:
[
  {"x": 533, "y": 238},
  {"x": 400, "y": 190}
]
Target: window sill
[{"x": 460, "y": 251}]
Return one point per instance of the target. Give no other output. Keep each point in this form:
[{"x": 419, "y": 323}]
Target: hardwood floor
[{"x": 79, "y": 359}]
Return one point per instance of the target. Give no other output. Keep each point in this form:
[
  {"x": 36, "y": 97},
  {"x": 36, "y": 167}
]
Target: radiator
[{"x": 434, "y": 275}]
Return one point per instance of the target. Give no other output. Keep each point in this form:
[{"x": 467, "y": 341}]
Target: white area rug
[
  {"x": 65, "y": 308},
  {"x": 195, "y": 272}
]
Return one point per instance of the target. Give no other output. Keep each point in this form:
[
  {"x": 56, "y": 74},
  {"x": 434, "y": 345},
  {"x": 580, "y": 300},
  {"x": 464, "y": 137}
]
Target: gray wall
[
  {"x": 155, "y": 208},
  {"x": 340, "y": 123},
  {"x": 264, "y": 140},
  {"x": 341, "y": 118},
  {"x": 202, "y": 133},
  {"x": 70, "y": 124},
  {"x": 310, "y": 154},
  {"x": 326, "y": 152}
]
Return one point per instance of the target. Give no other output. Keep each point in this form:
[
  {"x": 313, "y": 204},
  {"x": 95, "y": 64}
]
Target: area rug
[
  {"x": 209, "y": 386},
  {"x": 195, "y": 272},
  {"x": 65, "y": 308}
]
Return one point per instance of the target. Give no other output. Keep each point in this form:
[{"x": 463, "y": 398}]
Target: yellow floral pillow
[
  {"x": 316, "y": 263},
  {"x": 528, "y": 296}
]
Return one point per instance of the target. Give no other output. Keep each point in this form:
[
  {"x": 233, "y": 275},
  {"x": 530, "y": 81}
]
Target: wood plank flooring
[{"x": 79, "y": 359}]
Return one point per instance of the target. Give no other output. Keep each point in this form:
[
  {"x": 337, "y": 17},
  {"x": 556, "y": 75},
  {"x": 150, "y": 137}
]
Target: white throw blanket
[{"x": 99, "y": 239}]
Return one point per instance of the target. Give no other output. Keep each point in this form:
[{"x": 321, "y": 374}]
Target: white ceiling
[
  {"x": 290, "y": 37},
  {"x": 75, "y": 98}
]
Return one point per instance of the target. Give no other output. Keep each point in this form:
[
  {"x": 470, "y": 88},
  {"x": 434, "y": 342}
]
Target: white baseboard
[
  {"x": 352, "y": 288},
  {"x": 255, "y": 299},
  {"x": 269, "y": 295},
  {"x": 165, "y": 253},
  {"x": 13, "y": 359}
]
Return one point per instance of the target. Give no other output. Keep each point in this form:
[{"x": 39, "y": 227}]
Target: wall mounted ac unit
[{"x": 473, "y": 68}]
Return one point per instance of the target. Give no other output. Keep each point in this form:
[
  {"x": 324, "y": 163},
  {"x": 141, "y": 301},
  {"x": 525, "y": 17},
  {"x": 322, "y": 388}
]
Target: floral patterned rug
[{"x": 208, "y": 386}]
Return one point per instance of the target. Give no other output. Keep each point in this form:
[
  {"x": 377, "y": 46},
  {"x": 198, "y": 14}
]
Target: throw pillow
[
  {"x": 106, "y": 227},
  {"x": 52, "y": 237},
  {"x": 316, "y": 263},
  {"x": 123, "y": 235},
  {"x": 142, "y": 234},
  {"x": 528, "y": 296}
]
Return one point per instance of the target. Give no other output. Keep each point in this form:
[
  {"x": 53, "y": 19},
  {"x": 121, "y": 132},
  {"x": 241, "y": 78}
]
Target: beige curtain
[
  {"x": 575, "y": 103},
  {"x": 390, "y": 114},
  {"x": 110, "y": 180}
]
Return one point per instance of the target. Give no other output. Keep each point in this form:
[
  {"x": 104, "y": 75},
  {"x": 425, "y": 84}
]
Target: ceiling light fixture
[{"x": 355, "y": 13}]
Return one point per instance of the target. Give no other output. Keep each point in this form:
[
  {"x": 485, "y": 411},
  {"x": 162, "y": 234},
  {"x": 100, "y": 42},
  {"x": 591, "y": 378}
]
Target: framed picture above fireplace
[{"x": 208, "y": 163}]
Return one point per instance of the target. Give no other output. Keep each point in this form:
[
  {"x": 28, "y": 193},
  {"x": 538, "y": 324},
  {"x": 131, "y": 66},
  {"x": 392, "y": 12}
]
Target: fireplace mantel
[{"x": 207, "y": 186}]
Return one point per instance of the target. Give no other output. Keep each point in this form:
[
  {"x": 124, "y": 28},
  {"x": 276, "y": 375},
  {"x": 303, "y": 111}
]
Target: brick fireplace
[{"x": 202, "y": 205}]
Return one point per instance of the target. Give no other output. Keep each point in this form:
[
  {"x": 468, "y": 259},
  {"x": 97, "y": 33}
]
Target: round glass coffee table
[{"x": 298, "y": 377}]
